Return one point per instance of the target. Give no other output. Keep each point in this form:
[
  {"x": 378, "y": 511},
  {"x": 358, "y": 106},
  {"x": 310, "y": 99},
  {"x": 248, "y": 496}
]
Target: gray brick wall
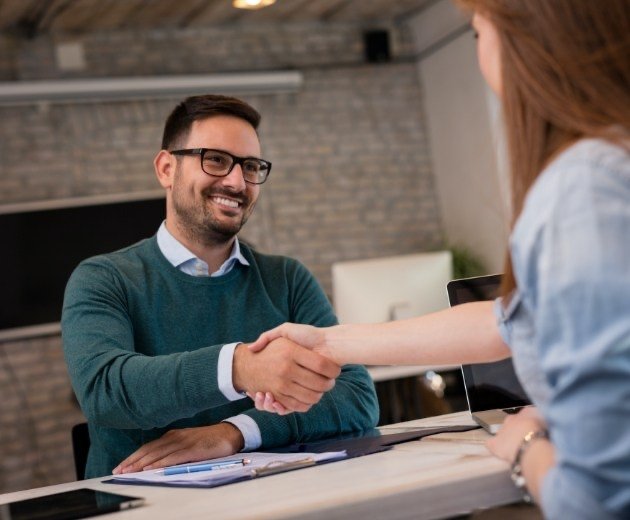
[
  {"x": 351, "y": 179},
  {"x": 8, "y": 53},
  {"x": 37, "y": 413},
  {"x": 203, "y": 50}
]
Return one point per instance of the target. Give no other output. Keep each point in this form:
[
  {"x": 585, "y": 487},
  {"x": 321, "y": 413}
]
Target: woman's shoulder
[
  {"x": 588, "y": 177},
  {"x": 595, "y": 154},
  {"x": 587, "y": 166}
]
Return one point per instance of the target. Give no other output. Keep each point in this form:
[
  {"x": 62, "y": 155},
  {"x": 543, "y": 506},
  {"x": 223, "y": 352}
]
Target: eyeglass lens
[{"x": 219, "y": 163}]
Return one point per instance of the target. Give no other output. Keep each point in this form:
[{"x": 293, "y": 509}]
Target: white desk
[{"x": 437, "y": 477}]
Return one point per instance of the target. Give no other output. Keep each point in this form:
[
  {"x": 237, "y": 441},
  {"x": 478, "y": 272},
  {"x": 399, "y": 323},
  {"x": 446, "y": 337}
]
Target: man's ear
[{"x": 165, "y": 165}]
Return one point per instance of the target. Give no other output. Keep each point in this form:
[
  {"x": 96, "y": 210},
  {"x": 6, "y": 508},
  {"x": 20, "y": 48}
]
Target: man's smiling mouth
[{"x": 231, "y": 203}]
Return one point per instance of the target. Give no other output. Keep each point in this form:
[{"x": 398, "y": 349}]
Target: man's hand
[
  {"x": 295, "y": 376},
  {"x": 184, "y": 445}
]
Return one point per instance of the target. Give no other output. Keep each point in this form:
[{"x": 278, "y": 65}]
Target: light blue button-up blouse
[{"x": 568, "y": 325}]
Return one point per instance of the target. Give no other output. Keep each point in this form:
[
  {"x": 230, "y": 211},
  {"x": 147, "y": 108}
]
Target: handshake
[{"x": 287, "y": 369}]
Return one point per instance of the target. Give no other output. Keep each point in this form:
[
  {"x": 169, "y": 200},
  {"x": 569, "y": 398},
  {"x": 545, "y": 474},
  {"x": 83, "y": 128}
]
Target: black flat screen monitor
[{"x": 42, "y": 246}]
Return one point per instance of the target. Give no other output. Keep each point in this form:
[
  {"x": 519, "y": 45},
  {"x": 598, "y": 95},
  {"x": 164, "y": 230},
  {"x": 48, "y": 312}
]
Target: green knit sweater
[{"x": 142, "y": 341}]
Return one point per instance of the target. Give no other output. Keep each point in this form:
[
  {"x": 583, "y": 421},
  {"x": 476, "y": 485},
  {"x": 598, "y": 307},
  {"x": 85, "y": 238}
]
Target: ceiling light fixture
[{"x": 252, "y": 4}]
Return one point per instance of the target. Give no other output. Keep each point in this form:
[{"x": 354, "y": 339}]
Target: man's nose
[{"x": 235, "y": 178}]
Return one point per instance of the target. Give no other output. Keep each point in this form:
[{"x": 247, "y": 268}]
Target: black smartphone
[{"x": 68, "y": 505}]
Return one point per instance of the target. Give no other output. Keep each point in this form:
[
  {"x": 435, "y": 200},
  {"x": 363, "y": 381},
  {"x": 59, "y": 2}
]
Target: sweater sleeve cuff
[
  {"x": 224, "y": 375},
  {"x": 249, "y": 429}
]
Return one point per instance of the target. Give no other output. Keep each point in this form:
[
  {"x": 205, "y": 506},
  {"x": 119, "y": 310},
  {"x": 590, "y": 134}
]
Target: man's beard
[{"x": 198, "y": 222}]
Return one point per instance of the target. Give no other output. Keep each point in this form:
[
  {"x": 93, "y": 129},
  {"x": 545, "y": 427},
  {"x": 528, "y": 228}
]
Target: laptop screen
[{"x": 488, "y": 385}]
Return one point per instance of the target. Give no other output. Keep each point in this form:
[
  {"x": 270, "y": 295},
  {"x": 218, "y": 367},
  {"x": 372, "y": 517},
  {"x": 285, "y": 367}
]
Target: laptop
[{"x": 492, "y": 389}]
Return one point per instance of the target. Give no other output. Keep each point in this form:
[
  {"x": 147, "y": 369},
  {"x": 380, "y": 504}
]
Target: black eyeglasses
[{"x": 220, "y": 163}]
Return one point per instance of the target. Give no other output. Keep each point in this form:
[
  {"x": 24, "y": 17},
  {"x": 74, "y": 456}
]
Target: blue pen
[{"x": 205, "y": 466}]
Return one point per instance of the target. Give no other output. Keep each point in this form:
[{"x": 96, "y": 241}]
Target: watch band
[{"x": 517, "y": 467}]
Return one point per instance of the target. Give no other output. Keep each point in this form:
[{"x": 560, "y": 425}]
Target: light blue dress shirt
[
  {"x": 568, "y": 325},
  {"x": 179, "y": 256}
]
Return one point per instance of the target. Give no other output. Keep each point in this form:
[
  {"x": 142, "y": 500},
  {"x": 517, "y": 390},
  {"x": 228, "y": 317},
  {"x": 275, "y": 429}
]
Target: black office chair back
[{"x": 80, "y": 448}]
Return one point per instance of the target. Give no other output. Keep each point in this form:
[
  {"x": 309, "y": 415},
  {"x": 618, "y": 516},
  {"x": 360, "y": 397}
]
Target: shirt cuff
[
  {"x": 249, "y": 429},
  {"x": 224, "y": 376},
  {"x": 504, "y": 310},
  {"x": 563, "y": 497}
]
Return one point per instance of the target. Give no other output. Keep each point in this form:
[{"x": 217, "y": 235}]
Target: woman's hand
[
  {"x": 506, "y": 442},
  {"x": 537, "y": 459},
  {"x": 266, "y": 402},
  {"x": 306, "y": 336}
]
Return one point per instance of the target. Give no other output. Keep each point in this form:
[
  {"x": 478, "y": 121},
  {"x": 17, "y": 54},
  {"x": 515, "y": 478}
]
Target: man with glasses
[{"x": 152, "y": 332}]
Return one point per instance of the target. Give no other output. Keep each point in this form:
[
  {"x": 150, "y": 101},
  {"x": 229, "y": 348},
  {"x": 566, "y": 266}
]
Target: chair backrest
[{"x": 80, "y": 448}]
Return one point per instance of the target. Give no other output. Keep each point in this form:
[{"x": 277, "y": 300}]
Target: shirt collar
[{"x": 177, "y": 254}]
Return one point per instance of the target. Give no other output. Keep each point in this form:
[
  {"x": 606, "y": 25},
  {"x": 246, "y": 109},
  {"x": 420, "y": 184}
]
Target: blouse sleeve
[{"x": 581, "y": 298}]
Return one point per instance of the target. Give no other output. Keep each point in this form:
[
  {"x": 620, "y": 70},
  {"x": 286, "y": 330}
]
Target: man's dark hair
[{"x": 196, "y": 108}]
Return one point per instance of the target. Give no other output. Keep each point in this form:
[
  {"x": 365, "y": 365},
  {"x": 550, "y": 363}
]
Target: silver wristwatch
[{"x": 517, "y": 468}]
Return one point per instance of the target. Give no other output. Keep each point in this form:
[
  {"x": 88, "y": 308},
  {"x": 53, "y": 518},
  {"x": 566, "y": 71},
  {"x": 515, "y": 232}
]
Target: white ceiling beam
[{"x": 123, "y": 89}]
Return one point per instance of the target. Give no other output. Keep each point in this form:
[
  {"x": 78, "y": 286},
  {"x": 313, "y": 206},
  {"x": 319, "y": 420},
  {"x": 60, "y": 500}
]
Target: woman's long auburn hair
[{"x": 565, "y": 74}]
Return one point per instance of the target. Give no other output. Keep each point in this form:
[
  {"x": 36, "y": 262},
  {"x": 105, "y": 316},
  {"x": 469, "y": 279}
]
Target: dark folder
[
  {"x": 355, "y": 445},
  {"x": 370, "y": 441}
]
